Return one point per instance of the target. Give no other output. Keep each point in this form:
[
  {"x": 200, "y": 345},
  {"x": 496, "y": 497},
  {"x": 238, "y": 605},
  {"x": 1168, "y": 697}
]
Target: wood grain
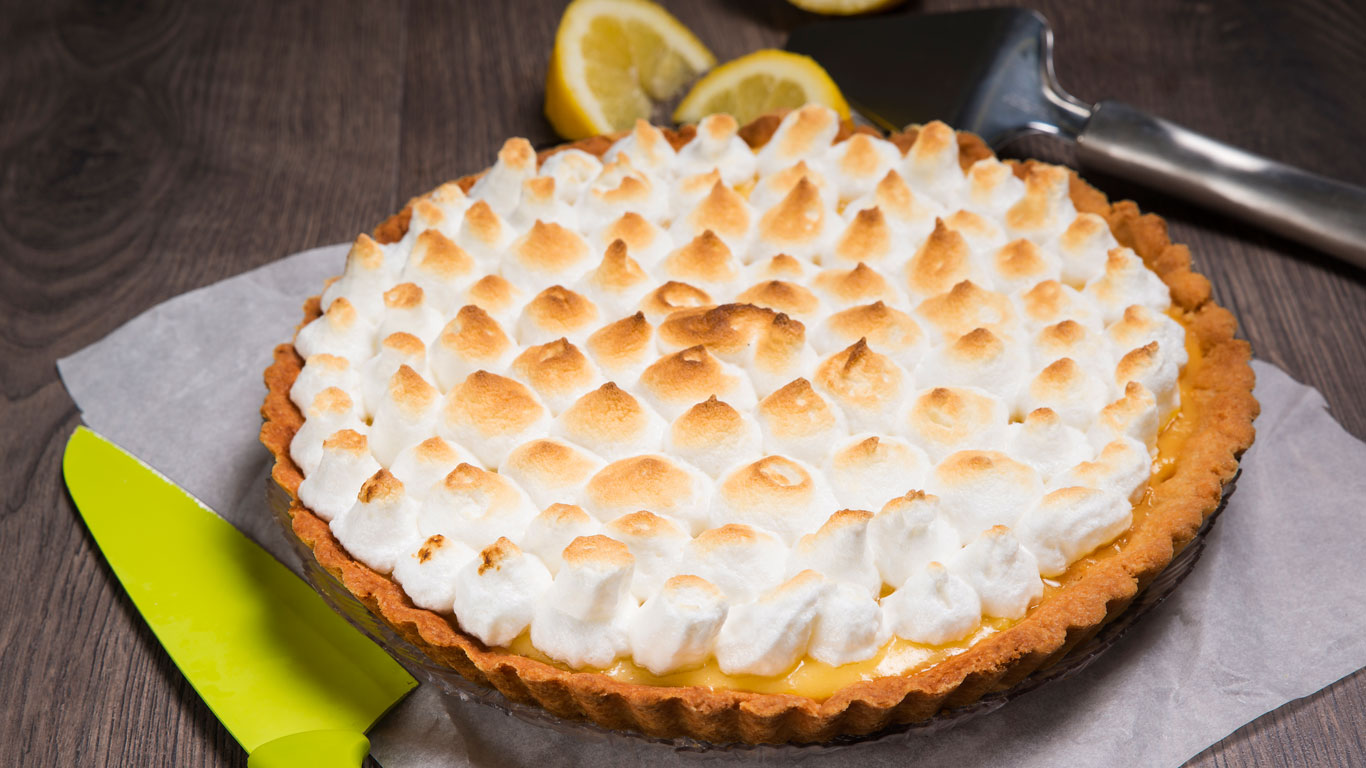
[{"x": 147, "y": 148}]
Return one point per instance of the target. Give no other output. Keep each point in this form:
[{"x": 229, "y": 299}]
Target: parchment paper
[{"x": 1270, "y": 614}]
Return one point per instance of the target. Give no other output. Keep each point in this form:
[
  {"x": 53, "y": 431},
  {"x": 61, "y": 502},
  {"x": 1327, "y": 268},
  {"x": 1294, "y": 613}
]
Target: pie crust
[{"x": 1218, "y": 392}]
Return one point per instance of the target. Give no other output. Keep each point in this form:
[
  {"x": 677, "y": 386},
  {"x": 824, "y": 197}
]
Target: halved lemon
[
  {"x": 612, "y": 60},
  {"x": 844, "y": 7},
  {"x": 759, "y": 83}
]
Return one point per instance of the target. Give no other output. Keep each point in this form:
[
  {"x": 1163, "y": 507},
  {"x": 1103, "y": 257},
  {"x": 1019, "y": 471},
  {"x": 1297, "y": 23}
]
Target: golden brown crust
[{"x": 1222, "y": 387}]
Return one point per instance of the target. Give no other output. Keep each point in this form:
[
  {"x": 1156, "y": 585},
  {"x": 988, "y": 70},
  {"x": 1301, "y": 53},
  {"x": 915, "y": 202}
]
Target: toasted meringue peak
[
  {"x": 769, "y": 635},
  {"x": 651, "y": 482},
  {"x": 380, "y": 525},
  {"x": 859, "y": 162},
  {"x": 1069, "y": 390},
  {"x": 980, "y": 233},
  {"x": 1003, "y": 573},
  {"x": 782, "y": 296},
  {"x": 980, "y": 489},
  {"x": 573, "y": 170},
  {"x": 848, "y": 626},
  {"x": 1070, "y": 338},
  {"x": 558, "y": 372},
  {"x": 623, "y": 349},
  {"x": 909, "y": 531},
  {"x": 618, "y": 283},
  {"x": 320, "y": 372},
  {"x": 676, "y": 628},
  {"x": 739, "y": 560},
  {"x": 484, "y": 234},
  {"x": 331, "y": 410},
  {"x": 910, "y": 216},
  {"x": 340, "y": 332},
  {"x": 406, "y": 310},
  {"x": 1020, "y": 264},
  {"x": 496, "y": 593},
  {"x": 717, "y": 145},
  {"x": 689, "y": 190},
  {"x": 405, "y": 414},
  {"x": 1122, "y": 466},
  {"x": 540, "y": 202},
  {"x": 441, "y": 268},
  {"x": 1071, "y": 522},
  {"x": 671, "y": 297},
  {"x": 714, "y": 437},
  {"x": 798, "y": 225},
  {"x": 1127, "y": 282},
  {"x": 500, "y": 299},
  {"x": 1044, "y": 442},
  {"x": 1083, "y": 247},
  {"x": 948, "y": 419},
  {"x": 722, "y": 211},
  {"x": 727, "y": 331},
  {"x": 867, "y": 470},
  {"x": 645, "y": 242},
  {"x": 475, "y": 506},
  {"x": 779, "y": 267},
  {"x": 1050, "y": 302},
  {"x": 646, "y": 147},
  {"x": 555, "y": 312},
  {"x": 843, "y": 288},
  {"x": 705, "y": 262},
  {"x": 797, "y": 421},
  {"x": 933, "y": 606},
  {"x": 423, "y": 464},
  {"x": 868, "y": 239},
  {"x": 344, "y": 466},
  {"x": 501, "y": 186},
  {"x": 428, "y": 216},
  {"x": 612, "y": 423},
  {"x": 491, "y": 414},
  {"x": 621, "y": 189},
  {"x": 655, "y": 542},
  {"x": 550, "y": 471},
  {"x": 1153, "y": 367},
  {"x": 886, "y": 329},
  {"x": 675, "y": 382},
  {"x": 804, "y": 133},
  {"x": 1046, "y": 208},
  {"x": 867, "y": 386},
  {"x": 775, "y": 493},
  {"x": 772, "y": 188},
  {"x": 471, "y": 341},
  {"x": 932, "y": 163},
  {"x": 780, "y": 354},
  {"x": 1142, "y": 325},
  {"x": 547, "y": 253},
  {"x": 839, "y": 551},
  {"x": 363, "y": 281},
  {"x": 981, "y": 359},
  {"x": 992, "y": 187},
  {"x": 428, "y": 574},
  {"x": 965, "y": 307},
  {"x": 943, "y": 261},
  {"x": 553, "y": 529}
]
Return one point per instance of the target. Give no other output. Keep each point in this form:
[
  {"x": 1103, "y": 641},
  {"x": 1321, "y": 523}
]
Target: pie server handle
[
  {"x": 324, "y": 749},
  {"x": 1327, "y": 214}
]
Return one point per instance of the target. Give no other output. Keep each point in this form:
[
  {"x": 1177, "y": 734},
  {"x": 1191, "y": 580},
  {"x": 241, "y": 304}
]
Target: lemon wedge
[
  {"x": 612, "y": 60},
  {"x": 844, "y": 7},
  {"x": 758, "y": 83}
]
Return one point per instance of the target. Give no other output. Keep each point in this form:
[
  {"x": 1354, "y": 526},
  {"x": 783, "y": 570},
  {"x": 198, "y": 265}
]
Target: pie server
[
  {"x": 289, "y": 678},
  {"x": 991, "y": 72}
]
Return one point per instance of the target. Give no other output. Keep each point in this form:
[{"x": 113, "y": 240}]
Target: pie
[{"x": 772, "y": 433}]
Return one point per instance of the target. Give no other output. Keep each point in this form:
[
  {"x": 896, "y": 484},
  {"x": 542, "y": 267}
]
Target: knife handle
[
  {"x": 1324, "y": 213},
  {"x": 312, "y": 748}
]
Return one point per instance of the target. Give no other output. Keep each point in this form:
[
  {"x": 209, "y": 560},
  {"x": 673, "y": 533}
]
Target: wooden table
[{"x": 149, "y": 148}]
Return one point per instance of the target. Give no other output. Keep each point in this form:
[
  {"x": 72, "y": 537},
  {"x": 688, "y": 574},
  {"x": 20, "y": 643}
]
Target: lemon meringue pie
[{"x": 765, "y": 433}]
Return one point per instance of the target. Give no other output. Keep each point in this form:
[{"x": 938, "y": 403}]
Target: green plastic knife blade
[{"x": 289, "y": 678}]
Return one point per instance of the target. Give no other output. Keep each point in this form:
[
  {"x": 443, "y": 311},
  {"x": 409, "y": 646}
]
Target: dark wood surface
[{"x": 147, "y": 148}]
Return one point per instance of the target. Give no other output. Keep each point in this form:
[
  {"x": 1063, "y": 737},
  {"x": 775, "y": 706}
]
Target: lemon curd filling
[{"x": 817, "y": 680}]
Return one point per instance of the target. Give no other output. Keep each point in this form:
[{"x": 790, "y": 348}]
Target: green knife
[{"x": 289, "y": 678}]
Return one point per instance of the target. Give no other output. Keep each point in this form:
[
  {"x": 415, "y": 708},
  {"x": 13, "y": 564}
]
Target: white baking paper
[{"x": 1271, "y": 613}]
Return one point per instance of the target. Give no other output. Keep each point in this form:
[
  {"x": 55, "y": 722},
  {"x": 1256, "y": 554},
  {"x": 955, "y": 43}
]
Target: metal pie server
[
  {"x": 991, "y": 72},
  {"x": 289, "y": 678}
]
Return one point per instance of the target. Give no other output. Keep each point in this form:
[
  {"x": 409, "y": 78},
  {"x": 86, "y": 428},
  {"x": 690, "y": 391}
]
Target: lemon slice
[
  {"x": 844, "y": 7},
  {"x": 612, "y": 60},
  {"x": 759, "y": 83}
]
